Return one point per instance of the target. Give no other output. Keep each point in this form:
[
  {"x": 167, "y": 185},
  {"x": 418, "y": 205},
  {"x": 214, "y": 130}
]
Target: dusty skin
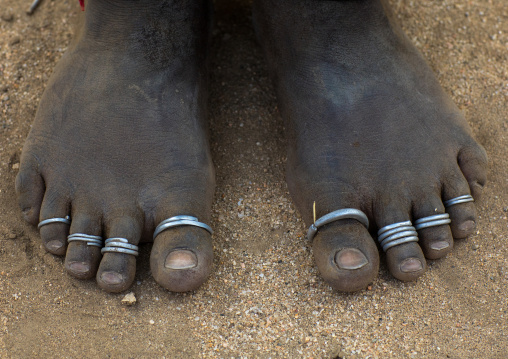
[{"x": 265, "y": 297}]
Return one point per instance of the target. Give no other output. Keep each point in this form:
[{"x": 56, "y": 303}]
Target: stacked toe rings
[
  {"x": 460, "y": 199},
  {"x": 432, "y": 221},
  {"x": 66, "y": 220},
  {"x": 396, "y": 234},
  {"x": 178, "y": 221},
  {"x": 95, "y": 241},
  {"x": 346, "y": 213},
  {"x": 120, "y": 245}
]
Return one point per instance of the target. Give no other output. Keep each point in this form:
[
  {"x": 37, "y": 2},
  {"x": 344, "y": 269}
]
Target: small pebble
[
  {"x": 129, "y": 299},
  {"x": 8, "y": 17},
  {"x": 15, "y": 40},
  {"x": 12, "y": 236},
  {"x": 15, "y": 166},
  {"x": 474, "y": 247},
  {"x": 151, "y": 321}
]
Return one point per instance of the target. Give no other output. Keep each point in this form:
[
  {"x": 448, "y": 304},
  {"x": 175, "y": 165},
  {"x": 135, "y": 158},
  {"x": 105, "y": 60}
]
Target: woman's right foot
[{"x": 120, "y": 143}]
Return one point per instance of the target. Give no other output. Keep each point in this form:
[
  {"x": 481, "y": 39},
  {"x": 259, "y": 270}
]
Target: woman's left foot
[{"x": 370, "y": 128}]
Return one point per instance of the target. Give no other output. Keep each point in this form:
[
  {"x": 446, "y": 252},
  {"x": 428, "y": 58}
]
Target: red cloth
[{"x": 82, "y": 3}]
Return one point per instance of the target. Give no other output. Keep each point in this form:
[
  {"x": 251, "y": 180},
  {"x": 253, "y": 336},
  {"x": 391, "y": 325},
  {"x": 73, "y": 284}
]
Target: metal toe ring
[
  {"x": 432, "y": 221},
  {"x": 90, "y": 240},
  {"x": 345, "y": 213},
  {"x": 120, "y": 245},
  {"x": 396, "y": 234},
  {"x": 181, "y": 220},
  {"x": 66, "y": 220},
  {"x": 460, "y": 199}
]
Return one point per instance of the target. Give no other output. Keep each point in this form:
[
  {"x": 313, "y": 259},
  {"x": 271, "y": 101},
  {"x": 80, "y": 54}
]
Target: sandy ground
[{"x": 265, "y": 297}]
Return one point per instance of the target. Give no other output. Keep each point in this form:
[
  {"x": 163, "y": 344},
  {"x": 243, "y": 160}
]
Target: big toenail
[
  {"x": 467, "y": 226},
  {"x": 54, "y": 245},
  {"x": 79, "y": 267},
  {"x": 439, "y": 245},
  {"x": 181, "y": 259},
  {"x": 411, "y": 265},
  {"x": 350, "y": 258},
  {"x": 112, "y": 278}
]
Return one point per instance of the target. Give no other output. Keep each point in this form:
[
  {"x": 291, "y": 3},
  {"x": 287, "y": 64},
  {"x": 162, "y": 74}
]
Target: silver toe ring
[
  {"x": 346, "y": 213},
  {"x": 396, "y": 234},
  {"x": 460, "y": 199},
  {"x": 120, "y": 245},
  {"x": 177, "y": 221},
  {"x": 95, "y": 241},
  {"x": 66, "y": 220},
  {"x": 432, "y": 221}
]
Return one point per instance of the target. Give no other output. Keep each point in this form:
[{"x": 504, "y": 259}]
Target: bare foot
[
  {"x": 120, "y": 143},
  {"x": 369, "y": 128}
]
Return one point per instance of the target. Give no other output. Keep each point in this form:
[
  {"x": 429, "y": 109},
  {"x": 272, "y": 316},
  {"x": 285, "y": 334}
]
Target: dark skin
[
  {"x": 121, "y": 169},
  {"x": 370, "y": 128},
  {"x": 120, "y": 139}
]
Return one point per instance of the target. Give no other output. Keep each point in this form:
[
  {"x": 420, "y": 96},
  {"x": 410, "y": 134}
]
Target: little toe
[
  {"x": 182, "y": 258},
  {"x": 473, "y": 162},
  {"x": 82, "y": 259},
  {"x": 30, "y": 191},
  {"x": 54, "y": 234},
  {"x": 346, "y": 255},
  {"x": 118, "y": 265},
  {"x": 432, "y": 225}
]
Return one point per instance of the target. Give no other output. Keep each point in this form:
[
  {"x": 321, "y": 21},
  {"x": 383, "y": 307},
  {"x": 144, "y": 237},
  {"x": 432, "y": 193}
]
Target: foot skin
[
  {"x": 370, "y": 128},
  {"x": 120, "y": 143}
]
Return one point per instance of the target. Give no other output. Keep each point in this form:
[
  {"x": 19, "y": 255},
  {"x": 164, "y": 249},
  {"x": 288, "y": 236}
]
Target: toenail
[
  {"x": 411, "y": 265},
  {"x": 112, "y": 278},
  {"x": 439, "y": 245},
  {"x": 181, "y": 259},
  {"x": 350, "y": 258},
  {"x": 79, "y": 267},
  {"x": 467, "y": 226},
  {"x": 54, "y": 245}
]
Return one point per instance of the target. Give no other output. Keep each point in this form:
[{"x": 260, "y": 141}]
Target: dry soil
[{"x": 265, "y": 298}]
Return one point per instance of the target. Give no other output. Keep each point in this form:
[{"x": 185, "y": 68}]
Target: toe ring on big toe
[
  {"x": 432, "y": 221},
  {"x": 120, "y": 245},
  {"x": 182, "y": 220},
  {"x": 345, "y": 213},
  {"x": 90, "y": 240},
  {"x": 66, "y": 220},
  {"x": 395, "y": 234},
  {"x": 460, "y": 199}
]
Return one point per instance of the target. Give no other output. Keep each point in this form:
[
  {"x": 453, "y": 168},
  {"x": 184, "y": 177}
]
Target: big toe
[
  {"x": 346, "y": 255},
  {"x": 182, "y": 258}
]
